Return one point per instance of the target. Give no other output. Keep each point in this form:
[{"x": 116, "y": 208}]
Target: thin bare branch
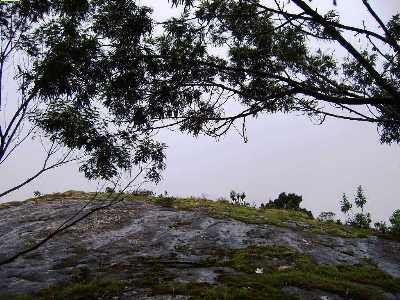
[
  {"x": 391, "y": 41},
  {"x": 73, "y": 220},
  {"x": 44, "y": 168}
]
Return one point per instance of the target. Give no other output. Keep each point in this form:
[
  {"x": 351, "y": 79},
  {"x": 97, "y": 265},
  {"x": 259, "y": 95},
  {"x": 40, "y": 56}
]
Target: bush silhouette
[
  {"x": 287, "y": 201},
  {"x": 395, "y": 221},
  {"x": 238, "y": 198}
]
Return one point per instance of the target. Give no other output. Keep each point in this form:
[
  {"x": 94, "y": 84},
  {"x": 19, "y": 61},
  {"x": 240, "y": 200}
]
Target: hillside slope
[{"x": 151, "y": 248}]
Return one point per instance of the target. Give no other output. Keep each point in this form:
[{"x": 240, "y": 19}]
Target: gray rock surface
[{"x": 130, "y": 236}]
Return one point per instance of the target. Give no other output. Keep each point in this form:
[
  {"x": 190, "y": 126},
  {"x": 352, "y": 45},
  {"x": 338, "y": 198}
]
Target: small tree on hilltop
[
  {"x": 360, "y": 199},
  {"x": 381, "y": 227},
  {"x": 357, "y": 219},
  {"x": 393, "y": 228},
  {"x": 345, "y": 205},
  {"x": 395, "y": 221},
  {"x": 238, "y": 198}
]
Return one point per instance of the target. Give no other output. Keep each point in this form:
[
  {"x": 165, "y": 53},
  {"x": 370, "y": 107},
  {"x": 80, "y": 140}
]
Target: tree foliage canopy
[
  {"x": 86, "y": 83},
  {"x": 279, "y": 58}
]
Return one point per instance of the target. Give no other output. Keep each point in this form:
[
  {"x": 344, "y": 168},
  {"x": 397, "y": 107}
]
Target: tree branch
[
  {"x": 346, "y": 45},
  {"x": 71, "y": 222},
  {"x": 45, "y": 168},
  {"x": 391, "y": 41}
]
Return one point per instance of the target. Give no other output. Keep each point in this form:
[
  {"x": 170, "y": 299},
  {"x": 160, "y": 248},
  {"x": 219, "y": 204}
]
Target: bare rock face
[{"x": 127, "y": 241}]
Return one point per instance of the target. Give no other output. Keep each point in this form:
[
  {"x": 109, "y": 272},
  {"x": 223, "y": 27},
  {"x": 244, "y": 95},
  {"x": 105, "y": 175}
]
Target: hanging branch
[{"x": 75, "y": 219}]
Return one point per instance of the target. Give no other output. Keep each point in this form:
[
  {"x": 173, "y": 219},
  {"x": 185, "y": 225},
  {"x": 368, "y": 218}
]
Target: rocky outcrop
[{"x": 129, "y": 239}]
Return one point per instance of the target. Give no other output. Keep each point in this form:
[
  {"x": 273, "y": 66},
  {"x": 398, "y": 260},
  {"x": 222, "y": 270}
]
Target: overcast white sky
[{"x": 285, "y": 153}]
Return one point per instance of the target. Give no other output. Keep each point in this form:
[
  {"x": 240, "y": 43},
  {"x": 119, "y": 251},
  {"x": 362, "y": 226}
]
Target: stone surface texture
[{"x": 131, "y": 236}]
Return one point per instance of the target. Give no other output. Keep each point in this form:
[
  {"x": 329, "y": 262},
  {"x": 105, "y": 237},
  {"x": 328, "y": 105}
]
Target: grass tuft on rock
[
  {"x": 284, "y": 267},
  {"x": 253, "y": 215}
]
